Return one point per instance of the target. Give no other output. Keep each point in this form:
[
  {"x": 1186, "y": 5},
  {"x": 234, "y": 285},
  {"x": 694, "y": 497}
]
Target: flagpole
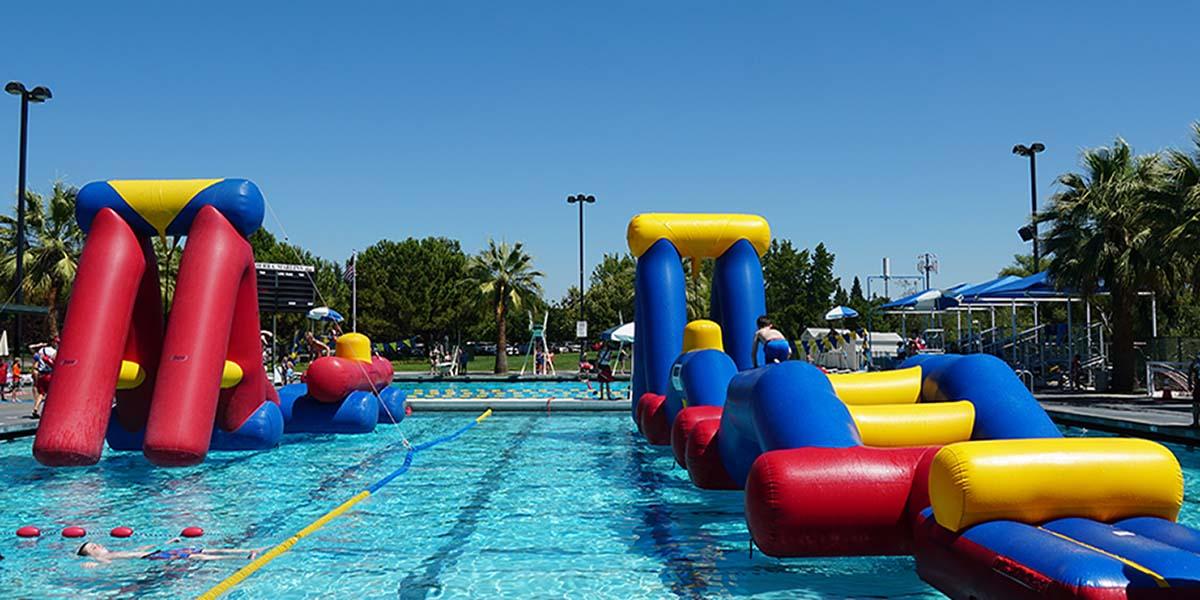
[{"x": 354, "y": 292}]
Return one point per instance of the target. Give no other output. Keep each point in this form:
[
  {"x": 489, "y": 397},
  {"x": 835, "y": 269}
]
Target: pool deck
[
  {"x": 518, "y": 404},
  {"x": 1125, "y": 414},
  {"x": 15, "y": 421},
  {"x": 1130, "y": 415}
]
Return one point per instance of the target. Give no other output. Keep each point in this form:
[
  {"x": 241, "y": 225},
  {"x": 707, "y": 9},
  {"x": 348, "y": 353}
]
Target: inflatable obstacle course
[
  {"x": 949, "y": 459},
  {"x": 183, "y": 387},
  {"x": 195, "y": 381},
  {"x": 345, "y": 393}
]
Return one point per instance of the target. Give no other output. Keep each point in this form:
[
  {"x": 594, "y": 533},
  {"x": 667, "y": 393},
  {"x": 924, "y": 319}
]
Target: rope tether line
[{"x": 227, "y": 584}]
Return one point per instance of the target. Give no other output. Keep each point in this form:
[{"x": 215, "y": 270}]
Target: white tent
[{"x": 848, "y": 355}]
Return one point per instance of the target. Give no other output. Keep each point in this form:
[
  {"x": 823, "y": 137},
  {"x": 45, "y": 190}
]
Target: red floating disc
[
  {"x": 29, "y": 531},
  {"x": 73, "y": 532},
  {"x": 192, "y": 532},
  {"x": 121, "y": 532}
]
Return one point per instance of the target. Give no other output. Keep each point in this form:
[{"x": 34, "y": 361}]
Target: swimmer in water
[{"x": 103, "y": 555}]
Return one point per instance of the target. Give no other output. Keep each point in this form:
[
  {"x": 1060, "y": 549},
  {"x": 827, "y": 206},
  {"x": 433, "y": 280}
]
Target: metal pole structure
[
  {"x": 581, "y": 199},
  {"x": 1013, "y": 353},
  {"x": 1031, "y": 151},
  {"x": 1037, "y": 339},
  {"x": 1153, "y": 315},
  {"x": 993, "y": 311},
  {"x": 19, "y": 277},
  {"x": 1087, "y": 308},
  {"x": 1070, "y": 338},
  {"x": 37, "y": 95},
  {"x": 1037, "y": 258}
]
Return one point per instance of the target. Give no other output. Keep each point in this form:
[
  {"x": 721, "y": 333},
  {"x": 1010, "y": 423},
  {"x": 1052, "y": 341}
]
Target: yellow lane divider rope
[{"x": 227, "y": 584}]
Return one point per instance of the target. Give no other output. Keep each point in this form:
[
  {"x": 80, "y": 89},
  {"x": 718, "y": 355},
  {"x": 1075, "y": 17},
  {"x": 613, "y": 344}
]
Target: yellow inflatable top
[
  {"x": 354, "y": 346},
  {"x": 702, "y": 334},
  {"x": 698, "y": 235},
  {"x": 1039, "y": 480}
]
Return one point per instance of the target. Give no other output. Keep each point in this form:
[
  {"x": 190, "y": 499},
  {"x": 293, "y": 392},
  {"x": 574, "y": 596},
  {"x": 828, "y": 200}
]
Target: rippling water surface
[{"x": 524, "y": 506}]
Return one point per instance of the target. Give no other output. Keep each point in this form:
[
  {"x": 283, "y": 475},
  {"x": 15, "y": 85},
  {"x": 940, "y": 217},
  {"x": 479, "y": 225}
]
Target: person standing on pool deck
[
  {"x": 43, "y": 362},
  {"x": 772, "y": 340}
]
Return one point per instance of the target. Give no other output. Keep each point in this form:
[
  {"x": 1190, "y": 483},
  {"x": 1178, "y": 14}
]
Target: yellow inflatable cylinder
[
  {"x": 354, "y": 346},
  {"x": 1038, "y": 480},
  {"x": 702, "y": 334},
  {"x": 906, "y": 425},
  {"x": 902, "y": 386},
  {"x": 697, "y": 235},
  {"x": 132, "y": 375},
  {"x": 231, "y": 375}
]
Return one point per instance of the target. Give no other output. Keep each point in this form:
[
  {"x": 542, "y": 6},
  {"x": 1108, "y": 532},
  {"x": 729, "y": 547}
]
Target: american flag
[{"x": 348, "y": 275}]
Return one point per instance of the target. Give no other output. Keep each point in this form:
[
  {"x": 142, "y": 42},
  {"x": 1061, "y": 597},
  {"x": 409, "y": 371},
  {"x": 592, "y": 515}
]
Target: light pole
[
  {"x": 581, "y": 199},
  {"x": 37, "y": 95},
  {"x": 1030, "y": 232}
]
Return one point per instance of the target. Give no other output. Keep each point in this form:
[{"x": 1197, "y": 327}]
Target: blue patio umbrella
[
  {"x": 838, "y": 313},
  {"x": 324, "y": 313}
]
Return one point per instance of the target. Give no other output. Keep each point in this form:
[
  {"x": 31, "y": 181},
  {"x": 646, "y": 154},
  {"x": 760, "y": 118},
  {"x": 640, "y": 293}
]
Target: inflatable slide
[{"x": 949, "y": 458}]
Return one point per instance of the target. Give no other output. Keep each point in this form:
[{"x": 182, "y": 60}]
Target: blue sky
[{"x": 882, "y": 129}]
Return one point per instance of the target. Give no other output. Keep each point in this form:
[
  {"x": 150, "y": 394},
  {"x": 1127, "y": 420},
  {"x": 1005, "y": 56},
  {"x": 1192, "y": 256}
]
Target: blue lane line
[{"x": 412, "y": 452}]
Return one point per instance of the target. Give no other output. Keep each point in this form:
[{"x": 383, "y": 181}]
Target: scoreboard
[{"x": 285, "y": 288}]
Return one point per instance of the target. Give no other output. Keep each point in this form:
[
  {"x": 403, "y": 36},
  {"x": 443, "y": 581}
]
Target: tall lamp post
[
  {"x": 1030, "y": 231},
  {"x": 581, "y": 199},
  {"x": 37, "y": 95}
]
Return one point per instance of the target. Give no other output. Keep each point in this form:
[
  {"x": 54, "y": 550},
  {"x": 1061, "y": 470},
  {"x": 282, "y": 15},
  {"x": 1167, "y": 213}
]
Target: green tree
[
  {"x": 1022, "y": 266},
  {"x": 506, "y": 279},
  {"x": 698, "y": 289},
  {"x": 822, "y": 284},
  {"x": 53, "y": 244},
  {"x": 610, "y": 292},
  {"x": 840, "y": 297},
  {"x": 332, "y": 289},
  {"x": 786, "y": 276},
  {"x": 1103, "y": 228},
  {"x": 414, "y": 286},
  {"x": 167, "y": 253}
]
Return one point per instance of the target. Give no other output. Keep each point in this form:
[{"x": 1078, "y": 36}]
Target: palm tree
[
  {"x": 168, "y": 256},
  {"x": 698, "y": 289},
  {"x": 506, "y": 279},
  {"x": 1184, "y": 190},
  {"x": 53, "y": 243},
  {"x": 1104, "y": 232}
]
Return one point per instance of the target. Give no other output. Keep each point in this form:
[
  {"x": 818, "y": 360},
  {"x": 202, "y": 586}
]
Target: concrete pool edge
[{"x": 518, "y": 404}]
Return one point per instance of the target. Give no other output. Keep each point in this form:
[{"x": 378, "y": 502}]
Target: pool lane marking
[{"x": 241, "y": 574}]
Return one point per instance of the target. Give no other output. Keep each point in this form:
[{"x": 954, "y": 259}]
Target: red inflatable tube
[
  {"x": 209, "y": 302},
  {"x": 833, "y": 501},
  {"x": 653, "y": 414},
  {"x": 703, "y": 457},
  {"x": 245, "y": 348},
  {"x": 98, "y": 320},
  {"x": 682, "y": 428},
  {"x": 332, "y": 378}
]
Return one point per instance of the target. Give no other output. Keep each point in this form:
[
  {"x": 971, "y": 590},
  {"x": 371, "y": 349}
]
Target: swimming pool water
[
  {"x": 523, "y": 506},
  {"x": 508, "y": 389}
]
